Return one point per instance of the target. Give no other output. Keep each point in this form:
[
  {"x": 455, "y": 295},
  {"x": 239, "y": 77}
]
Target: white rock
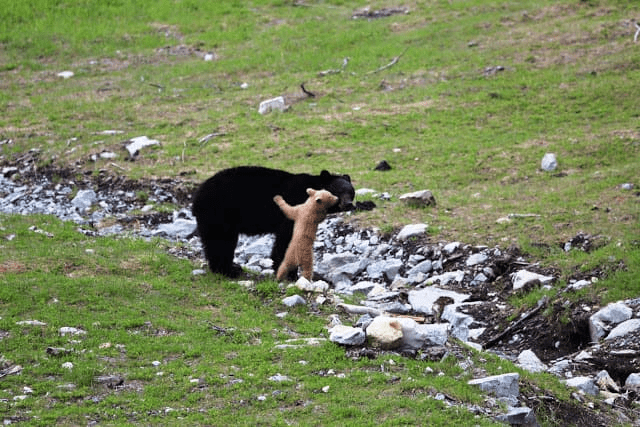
[
  {"x": 67, "y": 330},
  {"x": 279, "y": 378},
  {"x": 138, "y": 143},
  {"x": 347, "y": 335},
  {"x": 65, "y": 74},
  {"x": 579, "y": 285},
  {"x": 411, "y": 230},
  {"x": 67, "y": 365},
  {"x": 385, "y": 332},
  {"x": 523, "y": 277},
  {"x": 365, "y": 191},
  {"x": 529, "y": 361},
  {"x": 31, "y": 323},
  {"x": 319, "y": 286},
  {"x": 549, "y": 162},
  {"x": 269, "y": 105}
]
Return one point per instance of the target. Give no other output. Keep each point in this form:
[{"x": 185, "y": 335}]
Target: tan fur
[{"x": 306, "y": 218}]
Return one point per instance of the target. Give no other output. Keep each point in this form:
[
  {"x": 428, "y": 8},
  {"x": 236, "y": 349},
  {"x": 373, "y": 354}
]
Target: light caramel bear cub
[{"x": 306, "y": 218}]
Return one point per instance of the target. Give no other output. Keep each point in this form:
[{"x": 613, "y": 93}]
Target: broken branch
[{"x": 393, "y": 62}]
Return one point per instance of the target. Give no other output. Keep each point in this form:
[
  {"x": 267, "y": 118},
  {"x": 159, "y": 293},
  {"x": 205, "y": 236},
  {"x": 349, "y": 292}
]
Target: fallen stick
[
  {"x": 393, "y": 62},
  {"x": 308, "y": 93},
  {"x": 359, "y": 309},
  {"x": 541, "y": 303}
]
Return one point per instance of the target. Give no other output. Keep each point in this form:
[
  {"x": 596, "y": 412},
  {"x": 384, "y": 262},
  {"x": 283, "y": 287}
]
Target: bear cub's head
[{"x": 321, "y": 200}]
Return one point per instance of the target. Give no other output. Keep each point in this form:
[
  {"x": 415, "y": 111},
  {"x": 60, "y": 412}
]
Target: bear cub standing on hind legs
[{"x": 306, "y": 218}]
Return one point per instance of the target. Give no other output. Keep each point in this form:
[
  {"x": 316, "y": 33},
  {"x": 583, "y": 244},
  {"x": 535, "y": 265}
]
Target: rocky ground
[{"x": 412, "y": 295}]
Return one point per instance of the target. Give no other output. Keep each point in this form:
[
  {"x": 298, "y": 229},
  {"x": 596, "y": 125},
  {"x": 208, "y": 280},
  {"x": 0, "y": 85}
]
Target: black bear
[{"x": 240, "y": 200}]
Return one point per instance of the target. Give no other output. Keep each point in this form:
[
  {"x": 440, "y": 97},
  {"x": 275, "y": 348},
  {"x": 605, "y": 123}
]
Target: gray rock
[
  {"x": 179, "y": 229},
  {"x": 476, "y": 259},
  {"x": 347, "y": 335},
  {"x": 331, "y": 262},
  {"x": 505, "y": 385},
  {"x": 624, "y": 328},
  {"x": 419, "y": 198},
  {"x": 584, "y": 384},
  {"x": 521, "y": 416},
  {"x": 422, "y": 300},
  {"x": 387, "y": 269},
  {"x": 450, "y": 248},
  {"x": 524, "y": 277},
  {"x": 459, "y": 322},
  {"x": 579, "y": 285},
  {"x": 604, "y": 382},
  {"x": 420, "y": 336},
  {"x": 529, "y": 361},
  {"x": 444, "y": 278},
  {"x": 362, "y": 287},
  {"x": 613, "y": 313},
  {"x": 412, "y": 230},
  {"x": 293, "y": 300},
  {"x": 84, "y": 199},
  {"x": 633, "y": 380},
  {"x": 422, "y": 267}
]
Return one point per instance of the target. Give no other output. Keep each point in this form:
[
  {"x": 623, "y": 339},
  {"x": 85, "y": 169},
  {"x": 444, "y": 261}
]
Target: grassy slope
[{"x": 569, "y": 86}]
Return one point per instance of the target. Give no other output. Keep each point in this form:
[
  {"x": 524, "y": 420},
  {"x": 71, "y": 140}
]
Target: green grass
[
  {"x": 475, "y": 139},
  {"x": 205, "y": 335}
]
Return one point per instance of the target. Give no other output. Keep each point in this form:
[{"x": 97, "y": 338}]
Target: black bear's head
[{"x": 340, "y": 186}]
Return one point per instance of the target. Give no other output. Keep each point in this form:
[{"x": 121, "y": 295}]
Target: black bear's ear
[
  {"x": 347, "y": 177},
  {"x": 325, "y": 175}
]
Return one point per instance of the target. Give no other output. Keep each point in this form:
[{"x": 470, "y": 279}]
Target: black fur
[{"x": 240, "y": 200}]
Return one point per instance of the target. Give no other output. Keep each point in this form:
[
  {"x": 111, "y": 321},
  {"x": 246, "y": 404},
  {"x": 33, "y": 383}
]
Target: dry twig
[{"x": 393, "y": 62}]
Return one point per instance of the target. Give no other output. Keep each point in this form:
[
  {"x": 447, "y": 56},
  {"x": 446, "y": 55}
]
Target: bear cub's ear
[{"x": 311, "y": 191}]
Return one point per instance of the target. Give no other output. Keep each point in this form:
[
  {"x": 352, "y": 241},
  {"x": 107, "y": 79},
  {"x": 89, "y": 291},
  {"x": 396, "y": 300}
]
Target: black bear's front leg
[
  {"x": 219, "y": 248},
  {"x": 283, "y": 237}
]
